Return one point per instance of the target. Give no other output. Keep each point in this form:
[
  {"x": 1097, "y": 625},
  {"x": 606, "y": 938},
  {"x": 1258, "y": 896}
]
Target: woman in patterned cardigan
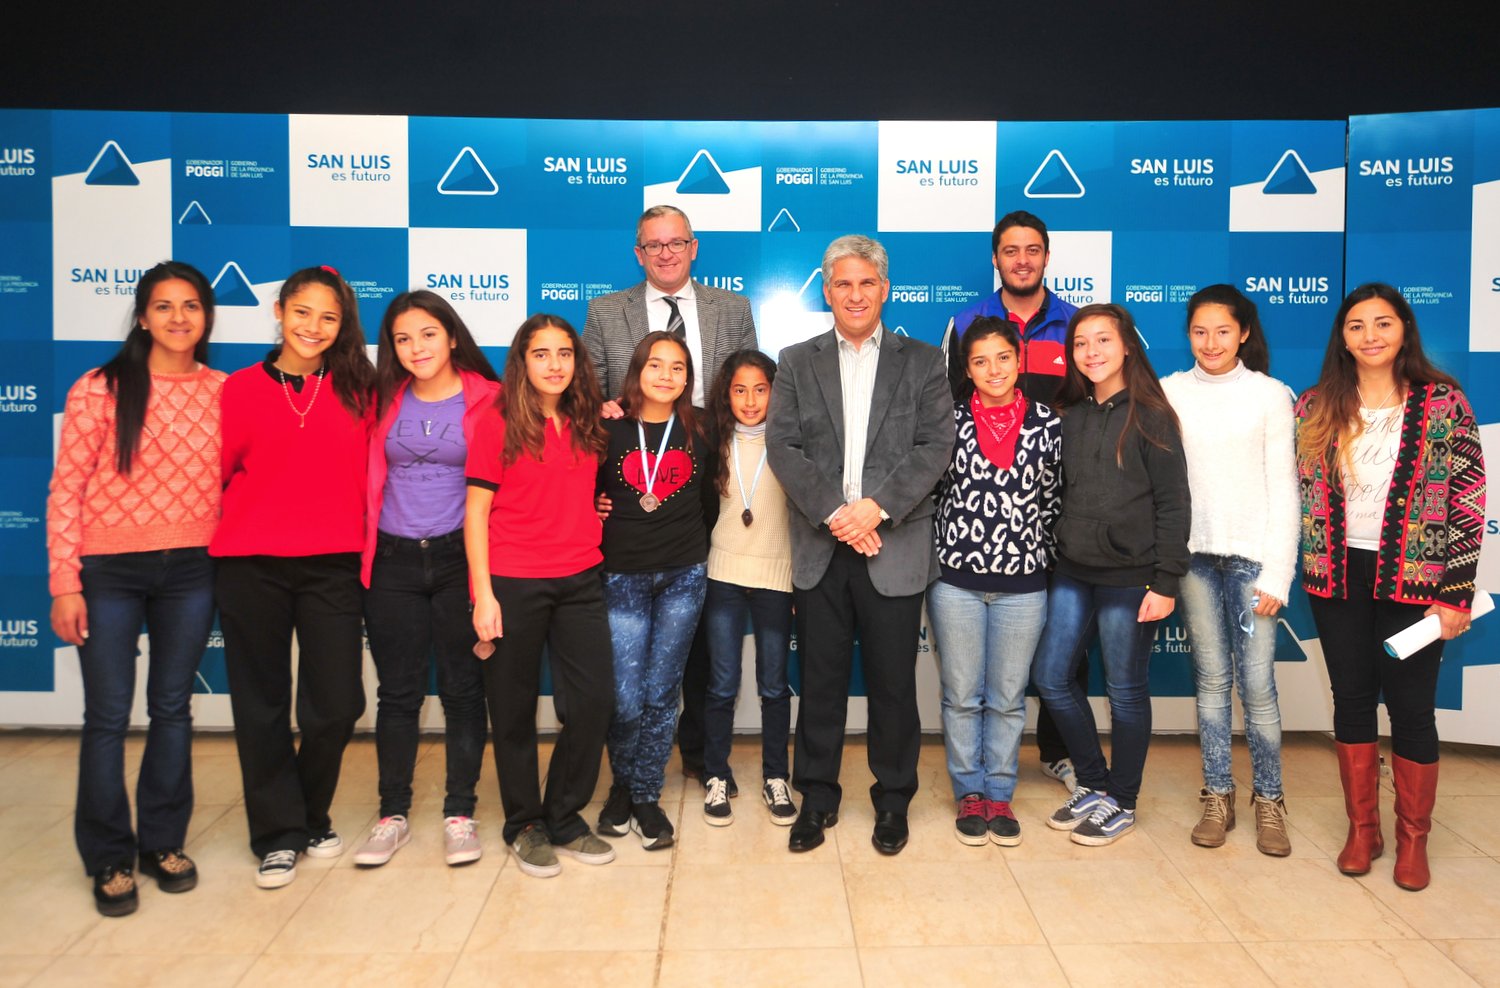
[{"x": 1392, "y": 484}]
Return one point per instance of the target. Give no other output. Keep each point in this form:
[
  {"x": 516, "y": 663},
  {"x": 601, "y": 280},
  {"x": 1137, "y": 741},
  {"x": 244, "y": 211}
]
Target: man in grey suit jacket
[
  {"x": 714, "y": 322},
  {"x": 861, "y": 428}
]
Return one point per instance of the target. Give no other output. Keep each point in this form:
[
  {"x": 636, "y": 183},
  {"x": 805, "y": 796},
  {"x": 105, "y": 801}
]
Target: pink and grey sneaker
[{"x": 460, "y": 842}]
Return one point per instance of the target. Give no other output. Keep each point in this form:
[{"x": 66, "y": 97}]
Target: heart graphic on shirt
[{"x": 676, "y": 469}]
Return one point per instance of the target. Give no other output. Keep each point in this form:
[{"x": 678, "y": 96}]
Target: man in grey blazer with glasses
[
  {"x": 861, "y": 428},
  {"x": 713, "y": 322}
]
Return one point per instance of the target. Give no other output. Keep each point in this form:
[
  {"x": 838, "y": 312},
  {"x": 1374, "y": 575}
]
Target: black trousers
[
  {"x": 566, "y": 614},
  {"x": 262, "y": 599},
  {"x": 829, "y": 615},
  {"x": 1353, "y": 631},
  {"x": 691, "y": 729}
]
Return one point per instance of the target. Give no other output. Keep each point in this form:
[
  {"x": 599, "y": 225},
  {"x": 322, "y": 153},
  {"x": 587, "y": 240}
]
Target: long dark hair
[
  {"x": 522, "y": 410},
  {"x": 390, "y": 375},
  {"x": 631, "y": 395},
  {"x": 981, "y": 328},
  {"x": 127, "y": 375},
  {"x": 1141, "y": 382},
  {"x": 1253, "y": 353},
  {"x": 346, "y": 360},
  {"x": 721, "y": 414},
  {"x": 1333, "y": 420}
]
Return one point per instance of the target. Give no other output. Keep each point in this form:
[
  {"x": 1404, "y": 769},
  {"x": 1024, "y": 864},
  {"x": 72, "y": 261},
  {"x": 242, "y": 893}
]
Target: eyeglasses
[{"x": 654, "y": 248}]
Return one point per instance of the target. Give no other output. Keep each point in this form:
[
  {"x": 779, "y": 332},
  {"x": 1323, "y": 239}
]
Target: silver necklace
[{"x": 1372, "y": 412}]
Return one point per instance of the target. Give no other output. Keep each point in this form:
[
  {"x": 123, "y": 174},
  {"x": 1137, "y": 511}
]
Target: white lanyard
[
  {"x": 739, "y": 478},
  {"x": 648, "y": 473}
]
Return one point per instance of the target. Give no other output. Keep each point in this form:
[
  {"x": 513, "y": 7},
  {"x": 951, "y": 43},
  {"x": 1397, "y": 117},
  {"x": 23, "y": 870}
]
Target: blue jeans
[
  {"x": 171, "y": 591},
  {"x": 1125, "y": 644},
  {"x": 417, "y": 610},
  {"x": 652, "y": 617},
  {"x": 985, "y": 643},
  {"x": 725, "y": 610},
  {"x": 1232, "y": 643}
]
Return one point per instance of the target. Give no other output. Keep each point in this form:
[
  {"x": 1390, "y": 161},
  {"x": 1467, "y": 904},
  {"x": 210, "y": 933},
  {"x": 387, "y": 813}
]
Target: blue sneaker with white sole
[
  {"x": 1076, "y": 810},
  {"x": 1107, "y": 824}
]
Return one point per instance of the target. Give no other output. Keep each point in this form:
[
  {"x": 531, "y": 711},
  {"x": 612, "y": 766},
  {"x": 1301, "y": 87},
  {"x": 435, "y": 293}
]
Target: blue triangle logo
[
  {"x": 784, "y": 223},
  {"x": 1054, "y": 178},
  {"x": 111, "y": 167},
  {"x": 231, "y": 287},
  {"x": 467, "y": 176},
  {"x": 194, "y": 216},
  {"x": 703, "y": 177},
  {"x": 1290, "y": 177}
]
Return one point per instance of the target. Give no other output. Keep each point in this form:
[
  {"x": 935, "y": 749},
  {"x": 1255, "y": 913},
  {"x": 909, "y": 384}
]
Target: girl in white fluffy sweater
[{"x": 1238, "y": 433}]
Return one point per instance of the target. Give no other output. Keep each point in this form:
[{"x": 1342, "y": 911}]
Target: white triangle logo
[
  {"x": 775, "y": 223},
  {"x": 1054, "y": 178},
  {"x": 194, "y": 210},
  {"x": 472, "y": 178}
]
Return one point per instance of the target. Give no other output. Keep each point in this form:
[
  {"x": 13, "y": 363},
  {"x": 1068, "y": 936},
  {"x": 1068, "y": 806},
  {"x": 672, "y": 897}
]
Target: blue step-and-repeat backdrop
[{"x": 511, "y": 217}]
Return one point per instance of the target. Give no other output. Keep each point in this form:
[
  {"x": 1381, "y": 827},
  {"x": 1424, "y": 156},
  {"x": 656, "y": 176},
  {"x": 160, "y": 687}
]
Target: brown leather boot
[
  {"x": 1416, "y": 791},
  {"x": 1359, "y": 771}
]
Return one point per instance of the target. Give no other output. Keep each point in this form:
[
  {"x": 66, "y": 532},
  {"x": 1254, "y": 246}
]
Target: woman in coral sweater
[{"x": 132, "y": 506}]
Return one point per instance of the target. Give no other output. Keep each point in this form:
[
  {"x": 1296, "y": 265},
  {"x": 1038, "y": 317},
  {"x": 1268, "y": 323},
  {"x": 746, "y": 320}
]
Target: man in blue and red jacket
[{"x": 1021, "y": 251}]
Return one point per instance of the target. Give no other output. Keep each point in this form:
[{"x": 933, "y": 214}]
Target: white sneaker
[
  {"x": 387, "y": 837},
  {"x": 277, "y": 869},
  {"x": 460, "y": 842},
  {"x": 1062, "y": 771},
  {"x": 325, "y": 845}
]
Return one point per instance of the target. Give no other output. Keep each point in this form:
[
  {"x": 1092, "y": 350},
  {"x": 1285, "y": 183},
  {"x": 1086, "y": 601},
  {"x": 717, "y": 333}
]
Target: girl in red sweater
[
  {"x": 295, "y": 435},
  {"x": 132, "y": 505}
]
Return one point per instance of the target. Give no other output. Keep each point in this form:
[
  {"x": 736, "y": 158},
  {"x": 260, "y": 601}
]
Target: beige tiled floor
[{"x": 730, "y": 906}]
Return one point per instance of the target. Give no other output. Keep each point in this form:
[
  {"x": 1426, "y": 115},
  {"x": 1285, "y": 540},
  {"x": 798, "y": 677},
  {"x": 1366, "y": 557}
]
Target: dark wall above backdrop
[{"x": 770, "y": 59}]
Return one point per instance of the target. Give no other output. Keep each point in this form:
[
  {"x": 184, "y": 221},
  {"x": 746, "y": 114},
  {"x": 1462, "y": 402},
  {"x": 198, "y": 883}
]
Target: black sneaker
[
  {"x": 652, "y": 824},
  {"x": 971, "y": 826},
  {"x": 1005, "y": 829},
  {"x": 778, "y": 796},
  {"x": 614, "y": 819},
  {"x": 114, "y": 891},
  {"x": 716, "y": 810}
]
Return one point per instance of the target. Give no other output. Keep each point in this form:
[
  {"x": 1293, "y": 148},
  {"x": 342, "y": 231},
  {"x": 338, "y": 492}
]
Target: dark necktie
[{"x": 675, "y": 324}]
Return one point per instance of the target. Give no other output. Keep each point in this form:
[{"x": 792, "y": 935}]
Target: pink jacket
[{"x": 479, "y": 394}]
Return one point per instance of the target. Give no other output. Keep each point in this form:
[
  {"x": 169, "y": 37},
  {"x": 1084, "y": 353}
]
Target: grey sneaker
[
  {"x": 534, "y": 854},
  {"x": 1076, "y": 810},
  {"x": 778, "y": 797},
  {"x": 716, "y": 809},
  {"x": 588, "y": 849},
  {"x": 277, "y": 869},
  {"x": 460, "y": 842},
  {"x": 1062, "y": 771},
  {"x": 1270, "y": 826},
  {"x": 1218, "y": 818},
  {"x": 325, "y": 845},
  {"x": 388, "y": 836}
]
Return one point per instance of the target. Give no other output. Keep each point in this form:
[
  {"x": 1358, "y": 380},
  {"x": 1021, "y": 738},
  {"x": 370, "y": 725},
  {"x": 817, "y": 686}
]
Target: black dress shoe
[
  {"x": 890, "y": 832},
  {"x": 807, "y": 832},
  {"x": 114, "y": 891}
]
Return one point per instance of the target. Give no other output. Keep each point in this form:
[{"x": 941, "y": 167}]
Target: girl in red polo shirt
[
  {"x": 532, "y": 538},
  {"x": 288, "y": 544}
]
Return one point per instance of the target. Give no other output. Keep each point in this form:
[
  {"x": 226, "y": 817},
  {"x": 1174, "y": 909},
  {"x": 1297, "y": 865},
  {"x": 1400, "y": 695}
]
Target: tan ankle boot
[
  {"x": 1270, "y": 826},
  {"x": 1218, "y": 818}
]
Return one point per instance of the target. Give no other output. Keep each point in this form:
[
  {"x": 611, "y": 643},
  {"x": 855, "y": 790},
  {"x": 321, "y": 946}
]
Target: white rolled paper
[{"x": 1428, "y": 630}]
